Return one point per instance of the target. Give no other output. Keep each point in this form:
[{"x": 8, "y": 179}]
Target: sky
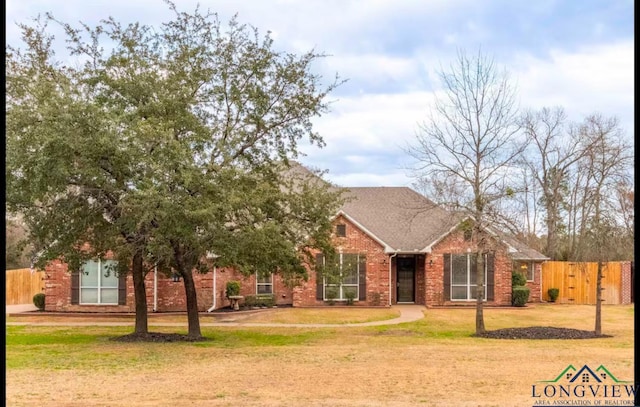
[{"x": 577, "y": 54}]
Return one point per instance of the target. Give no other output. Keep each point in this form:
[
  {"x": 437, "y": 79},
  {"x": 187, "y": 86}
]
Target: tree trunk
[
  {"x": 140, "y": 294},
  {"x": 480, "y": 293},
  {"x": 192, "y": 304},
  {"x": 552, "y": 245},
  {"x": 599, "y": 300}
]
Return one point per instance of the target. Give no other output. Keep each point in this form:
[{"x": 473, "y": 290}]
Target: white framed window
[
  {"x": 464, "y": 277},
  {"x": 345, "y": 282},
  {"x": 264, "y": 284},
  {"x": 99, "y": 282},
  {"x": 526, "y": 268}
]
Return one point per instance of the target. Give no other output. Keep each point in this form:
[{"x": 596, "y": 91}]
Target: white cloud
[
  {"x": 592, "y": 79},
  {"x": 390, "y": 90}
]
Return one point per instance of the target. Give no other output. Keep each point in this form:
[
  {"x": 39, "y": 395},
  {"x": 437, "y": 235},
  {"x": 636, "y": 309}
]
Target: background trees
[
  {"x": 163, "y": 145},
  {"x": 562, "y": 186}
]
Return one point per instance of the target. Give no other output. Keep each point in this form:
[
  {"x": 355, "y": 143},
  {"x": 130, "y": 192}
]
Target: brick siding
[
  {"x": 429, "y": 284},
  {"x": 356, "y": 241},
  {"x": 170, "y": 295}
]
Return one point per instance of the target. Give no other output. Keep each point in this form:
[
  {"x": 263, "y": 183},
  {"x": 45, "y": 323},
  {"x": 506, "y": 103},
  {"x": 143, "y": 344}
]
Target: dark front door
[{"x": 406, "y": 276}]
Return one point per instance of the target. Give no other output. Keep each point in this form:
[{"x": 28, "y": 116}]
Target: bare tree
[
  {"x": 555, "y": 151},
  {"x": 528, "y": 203},
  {"x": 470, "y": 139},
  {"x": 605, "y": 166}
]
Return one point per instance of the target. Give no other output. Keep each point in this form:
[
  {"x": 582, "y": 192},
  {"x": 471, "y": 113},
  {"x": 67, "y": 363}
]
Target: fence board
[
  {"x": 22, "y": 285},
  {"x": 577, "y": 282}
]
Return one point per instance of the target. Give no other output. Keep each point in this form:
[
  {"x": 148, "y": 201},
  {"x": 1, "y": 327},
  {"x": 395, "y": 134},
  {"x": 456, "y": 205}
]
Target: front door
[{"x": 406, "y": 267}]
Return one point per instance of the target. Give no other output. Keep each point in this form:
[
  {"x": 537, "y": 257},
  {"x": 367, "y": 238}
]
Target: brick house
[{"x": 394, "y": 246}]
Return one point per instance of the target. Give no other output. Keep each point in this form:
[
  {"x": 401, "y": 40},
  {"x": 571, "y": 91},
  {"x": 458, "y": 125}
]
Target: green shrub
[
  {"x": 38, "y": 301},
  {"x": 270, "y": 301},
  {"x": 265, "y": 300},
  {"x": 518, "y": 279},
  {"x": 233, "y": 288},
  {"x": 331, "y": 293},
  {"x": 250, "y": 301},
  {"x": 350, "y": 296},
  {"x": 553, "y": 294},
  {"x": 520, "y": 296}
]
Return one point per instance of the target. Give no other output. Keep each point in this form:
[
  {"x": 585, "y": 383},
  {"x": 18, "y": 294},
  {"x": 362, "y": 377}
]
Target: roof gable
[
  {"x": 398, "y": 216},
  {"x": 402, "y": 220}
]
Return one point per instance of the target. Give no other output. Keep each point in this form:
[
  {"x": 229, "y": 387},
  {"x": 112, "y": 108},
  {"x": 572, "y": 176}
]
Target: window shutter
[
  {"x": 319, "y": 282},
  {"x": 362, "y": 278},
  {"x": 447, "y": 276},
  {"x": 75, "y": 287},
  {"x": 122, "y": 289},
  {"x": 473, "y": 260},
  {"x": 490, "y": 277}
]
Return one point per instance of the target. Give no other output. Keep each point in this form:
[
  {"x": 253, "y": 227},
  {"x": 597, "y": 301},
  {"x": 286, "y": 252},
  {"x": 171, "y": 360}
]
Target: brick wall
[
  {"x": 170, "y": 294},
  {"x": 535, "y": 286},
  {"x": 356, "y": 241},
  {"x": 455, "y": 243}
]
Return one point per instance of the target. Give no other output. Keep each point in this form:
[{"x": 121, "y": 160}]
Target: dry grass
[
  {"x": 341, "y": 315},
  {"x": 432, "y": 362}
]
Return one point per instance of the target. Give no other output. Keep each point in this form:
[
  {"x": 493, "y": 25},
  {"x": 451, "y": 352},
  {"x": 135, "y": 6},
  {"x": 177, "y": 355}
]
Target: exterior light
[{"x": 175, "y": 277}]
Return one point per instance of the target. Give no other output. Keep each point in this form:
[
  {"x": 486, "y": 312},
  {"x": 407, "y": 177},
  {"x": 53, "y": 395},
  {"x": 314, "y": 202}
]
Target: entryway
[{"x": 406, "y": 273}]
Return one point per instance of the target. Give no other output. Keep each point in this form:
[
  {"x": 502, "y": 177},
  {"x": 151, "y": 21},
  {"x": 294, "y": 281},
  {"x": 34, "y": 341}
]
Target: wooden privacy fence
[
  {"x": 577, "y": 282},
  {"x": 22, "y": 285}
]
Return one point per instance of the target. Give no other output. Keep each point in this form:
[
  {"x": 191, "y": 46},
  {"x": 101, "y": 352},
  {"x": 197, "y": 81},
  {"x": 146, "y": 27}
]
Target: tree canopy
[{"x": 165, "y": 144}]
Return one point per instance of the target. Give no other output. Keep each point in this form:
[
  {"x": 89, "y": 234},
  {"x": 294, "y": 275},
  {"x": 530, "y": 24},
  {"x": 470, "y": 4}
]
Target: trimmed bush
[
  {"x": 553, "y": 294},
  {"x": 250, "y": 301},
  {"x": 233, "y": 288},
  {"x": 350, "y": 296},
  {"x": 38, "y": 301},
  {"x": 520, "y": 296},
  {"x": 518, "y": 279}
]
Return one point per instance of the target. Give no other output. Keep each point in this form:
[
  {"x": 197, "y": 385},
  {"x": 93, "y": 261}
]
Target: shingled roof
[
  {"x": 405, "y": 221},
  {"x": 402, "y": 219}
]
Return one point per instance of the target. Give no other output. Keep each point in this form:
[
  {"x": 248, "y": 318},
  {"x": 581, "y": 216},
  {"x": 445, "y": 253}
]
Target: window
[
  {"x": 524, "y": 267},
  {"x": 264, "y": 284},
  {"x": 99, "y": 282},
  {"x": 341, "y": 281},
  {"x": 341, "y": 230},
  {"x": 464, "y": 277}
]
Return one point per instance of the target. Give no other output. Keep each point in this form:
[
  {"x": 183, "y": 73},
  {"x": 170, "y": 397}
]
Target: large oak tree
[{"x": 165, "y": 144}]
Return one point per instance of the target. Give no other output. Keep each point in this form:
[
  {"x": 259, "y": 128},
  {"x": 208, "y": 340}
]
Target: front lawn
[{"x": 431, "y": 362}]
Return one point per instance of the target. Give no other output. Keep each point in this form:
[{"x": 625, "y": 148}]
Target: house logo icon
[
  {"x": 585, "y": 375},
  {"x": 585, "y": 385}
]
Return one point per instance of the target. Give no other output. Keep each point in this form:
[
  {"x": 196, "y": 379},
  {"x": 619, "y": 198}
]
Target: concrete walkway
[
  {"x": 17, "y": 309},
  {"x": 408, "y": 313}
]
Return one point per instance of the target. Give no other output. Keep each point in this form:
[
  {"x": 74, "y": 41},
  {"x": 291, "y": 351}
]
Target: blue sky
[{"x": 574, "y": 53}]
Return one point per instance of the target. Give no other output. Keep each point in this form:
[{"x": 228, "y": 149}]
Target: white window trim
[
  {"x": 258, "y": 284},
  {"x": 532, "y": 267},
  {"x": 341, "y": 296},
  {"x": 469, "y": 284},
  {"x": 98, "y": 287}
]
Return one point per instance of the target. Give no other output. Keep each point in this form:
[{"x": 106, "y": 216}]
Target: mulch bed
[
  {"x": 157, "y": 337},
  {"x": 541, "y": 332}
]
